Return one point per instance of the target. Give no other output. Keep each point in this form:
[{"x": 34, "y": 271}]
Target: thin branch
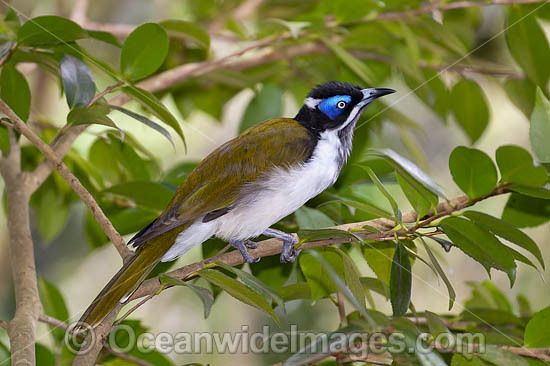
[
  {"x": 134, "y": 308},
  {"x": 7, "y": 54},
  {"x": 542, "y": 354},
  {"x": 104, "y": 93},
  {"x": 341, "y": 309},
  {"x": 50, "y": 320},
  {"x": 240, "y": 13},
  {"x": 73, "y": 181},
  {"x": 21, "y": 329},
  {"x": 443, "y": 6},
  {"x": 4, "y": 324},
  {"x": 80, "y": 10}
]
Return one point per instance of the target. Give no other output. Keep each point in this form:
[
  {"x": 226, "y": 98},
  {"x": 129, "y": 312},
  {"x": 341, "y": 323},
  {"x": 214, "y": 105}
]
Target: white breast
[
  {"x": 266, "y": 201},
  {"x": 282, "y": 191}
]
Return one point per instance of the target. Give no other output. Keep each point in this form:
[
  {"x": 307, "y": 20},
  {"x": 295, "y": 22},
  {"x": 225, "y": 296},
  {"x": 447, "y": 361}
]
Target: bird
[{"x": 246, "y": 185}]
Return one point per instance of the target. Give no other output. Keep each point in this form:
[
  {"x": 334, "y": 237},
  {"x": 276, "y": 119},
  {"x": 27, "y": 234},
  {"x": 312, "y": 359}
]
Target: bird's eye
[{"x": 341, "y": 104}]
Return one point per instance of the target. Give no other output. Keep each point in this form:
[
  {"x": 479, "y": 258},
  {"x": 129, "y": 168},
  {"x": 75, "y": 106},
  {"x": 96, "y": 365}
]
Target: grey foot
[
  {"x": 288, "y": 254},
  {"x": 250, "y": 244},
  {"x": 241, "y": 245}
]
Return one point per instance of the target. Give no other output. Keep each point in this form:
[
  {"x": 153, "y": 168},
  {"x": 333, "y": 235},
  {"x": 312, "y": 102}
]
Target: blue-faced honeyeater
[{"x": 246, "y": 185}]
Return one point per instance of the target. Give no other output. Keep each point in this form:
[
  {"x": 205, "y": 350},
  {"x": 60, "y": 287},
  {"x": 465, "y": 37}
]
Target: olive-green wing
[{"x": 214, "y": 185}]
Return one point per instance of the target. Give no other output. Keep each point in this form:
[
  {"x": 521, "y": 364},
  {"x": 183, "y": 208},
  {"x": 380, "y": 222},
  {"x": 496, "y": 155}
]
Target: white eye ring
[{"x": 341, "y": 105}]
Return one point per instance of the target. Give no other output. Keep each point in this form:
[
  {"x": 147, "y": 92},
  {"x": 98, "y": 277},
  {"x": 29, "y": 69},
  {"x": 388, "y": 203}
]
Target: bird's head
[{"x": 336, "y": 105}]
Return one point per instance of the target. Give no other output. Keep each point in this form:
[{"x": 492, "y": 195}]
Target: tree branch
[
  {"x": 55, "y": 161},
  {"x": 21, "y": 329}
]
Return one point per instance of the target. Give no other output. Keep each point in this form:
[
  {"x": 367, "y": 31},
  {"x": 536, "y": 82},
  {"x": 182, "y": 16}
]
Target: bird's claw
[
  {"x": 250, "y": 244},
  {"x": 289, "y": 253},
  {"x": 241, "y": 245}
]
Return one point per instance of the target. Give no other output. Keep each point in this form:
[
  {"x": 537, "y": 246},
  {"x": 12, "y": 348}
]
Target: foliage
[{"x": 314, "y": 41}]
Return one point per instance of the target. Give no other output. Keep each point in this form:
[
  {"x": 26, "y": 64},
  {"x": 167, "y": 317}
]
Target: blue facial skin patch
[{"x": 329, "y": 106}]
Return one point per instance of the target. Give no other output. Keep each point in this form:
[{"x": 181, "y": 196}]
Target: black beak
[{"x": 374, "y": 93}]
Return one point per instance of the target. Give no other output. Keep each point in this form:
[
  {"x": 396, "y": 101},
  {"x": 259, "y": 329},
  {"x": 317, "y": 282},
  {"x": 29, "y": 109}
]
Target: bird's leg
[
  {"x": 241, "y": 245},
  {"x": 289, "y": 254}
]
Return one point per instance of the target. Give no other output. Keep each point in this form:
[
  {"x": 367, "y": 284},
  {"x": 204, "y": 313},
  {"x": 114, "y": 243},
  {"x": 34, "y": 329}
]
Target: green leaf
[
  {"x": 441, "y": 273},
  {"x": 309, "y": 218},
  {"x": 352, "y": 276},
  {"x": 436, "y": 324},
  {"x": 5, "y": 355},
  {"x": 357, "y": 66},
  {"x": 318, "y": 279},
  {"x": 506, "y": 231},
  {"x": 49, "y": 29},
  {"x": 78, "y": 81},
  {"x": 473, "y": 171},
  {"x": 96, "y": 114},
  {"x": 500, "y": 356},
  {"x": 539, "y": 132},
  {"x": 204, "y": 294},
  {"x": 54, "y": 305},
  {"x": 295, "y": 291},
  {"x": 104, "y": 37},
  {"x": 522, "y": 93},
  {"x": 470, "y": 108},
  {"x": 461, "y": 360},
  {"x": 416, "y": 199},
  {"x": 238, "y": 290},
  {"x": 531, "y": 191},
  {"x": 44, "y": 357},
  {"x": 319, "y": 348},
  {"x": 255, "y": 285},
  {"x": 153, "y": 105},
  {"x": 480, "y": 244},
  {"x": 267, "y": 103},
  {"x": 376, "y": 285},
  {"x": 187, "y": 30},
  {"x": 146, "y": 121},
  {"x": 325, "y": 234},
  {"x": 4, "y": 140},
  {"x": 149, "y": 194},
  {"x": 270, "y": 272},
  {"x": 337, "y": 279},
  {"x": 49, "y": 199},
  {"x": 409, "y": 171},
  {"x": 379, "y": 258},
  {"x": 144, "y": 51},
  {"x": 133, "y": 219},
  {"x": 536, "y": 331},
  {"x": 364, "y": 205},
  {"x": 517, "y": 166},
  {"x": 528, "y": 44},
  {"x": 525, "y": 211},
  {"x": 15, "y": 91},
  {"x": 524, "y": 306},
  {"x": 293, "y": 27},
  {"x": 384, "y": 191},
  {"x": 400, "y": 281}
]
